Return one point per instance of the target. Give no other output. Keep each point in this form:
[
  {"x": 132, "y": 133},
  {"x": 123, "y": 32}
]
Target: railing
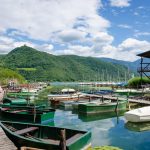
[{"x": 143, "y": 69}]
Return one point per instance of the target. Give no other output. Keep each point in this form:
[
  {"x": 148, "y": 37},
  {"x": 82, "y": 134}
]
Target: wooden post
[
  {"x": 128, "y": 101},
  {"x": 63, "y": 139},
  {"x": 102, "y": 99},
  {"x": 89, "y": 98},
  {"x": 116, "y": 109}
]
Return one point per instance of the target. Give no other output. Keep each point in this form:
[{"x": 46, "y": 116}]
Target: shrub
[{"x": 136, "y": 82}]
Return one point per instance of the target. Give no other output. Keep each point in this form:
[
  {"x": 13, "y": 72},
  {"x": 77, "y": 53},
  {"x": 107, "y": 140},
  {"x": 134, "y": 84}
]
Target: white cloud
[
  {"x": 134, "y": 44},
  {"x": 136, "y": 13},
  {"x": 120, "y": 3},
  {"x": 124, "y": 26},
  {"x": 137, "y": 34},
  {"x": 7, "y": 44},
  {"x": 41, "y": 18},
  {"x": 76, "y": 50},
  {"x": 70, "y": 35}
]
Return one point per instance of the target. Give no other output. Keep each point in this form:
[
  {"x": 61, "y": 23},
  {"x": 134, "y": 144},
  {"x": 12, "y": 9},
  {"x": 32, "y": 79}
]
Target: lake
[{"x": 113, "y": 131}]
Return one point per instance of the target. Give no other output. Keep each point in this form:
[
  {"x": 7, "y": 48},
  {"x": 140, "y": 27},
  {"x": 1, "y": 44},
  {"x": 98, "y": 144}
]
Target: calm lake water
[{"x": 112, "y": 131}]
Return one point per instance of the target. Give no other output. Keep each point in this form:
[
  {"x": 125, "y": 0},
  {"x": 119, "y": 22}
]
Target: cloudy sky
[{"x": 116, "y": 29}]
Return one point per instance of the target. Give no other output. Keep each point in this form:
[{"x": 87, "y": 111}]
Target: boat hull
[
  {"x": 51, "y": 133},
  {"x": 138, "y": 115},
  {"x": 93, "y": 108},
  {"x": 29, "y": 116}
]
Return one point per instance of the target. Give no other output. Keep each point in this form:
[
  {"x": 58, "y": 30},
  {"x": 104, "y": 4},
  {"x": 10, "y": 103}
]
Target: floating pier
[
  {"x": 5, "y": 143},
  {"x": 134, "y": 100}
]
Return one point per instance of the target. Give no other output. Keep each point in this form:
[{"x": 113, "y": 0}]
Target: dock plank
[{"x": 5, "y": 143}]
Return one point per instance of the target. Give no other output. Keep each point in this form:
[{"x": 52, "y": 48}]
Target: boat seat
[
  {"x": 25, "y": 130},
  {"x": 68, "y": 141},
  {"x": 16, "y": 111},
  {"x": 50, "y": 141},
  {"x": 73, "y": 138},
  {"x": 4, "y": 109}
]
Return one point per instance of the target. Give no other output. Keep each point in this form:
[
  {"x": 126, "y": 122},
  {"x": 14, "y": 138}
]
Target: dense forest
[
  {"x": 40, "y": 66},
  {"x": 7, "y": 74}
]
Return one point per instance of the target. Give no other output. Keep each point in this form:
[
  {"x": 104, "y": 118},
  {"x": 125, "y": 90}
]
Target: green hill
[
  {"x": 40, "y": 66},
  {"x": 8, "y": 74}
]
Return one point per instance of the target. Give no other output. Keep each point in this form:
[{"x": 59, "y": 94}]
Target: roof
[
  {"x": 145, "y": 54},
  {"x": 67, "y": 90}
]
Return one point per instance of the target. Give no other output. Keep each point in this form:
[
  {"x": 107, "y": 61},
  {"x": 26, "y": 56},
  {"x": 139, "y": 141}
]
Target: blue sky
[{"x": 116, "y": 29}]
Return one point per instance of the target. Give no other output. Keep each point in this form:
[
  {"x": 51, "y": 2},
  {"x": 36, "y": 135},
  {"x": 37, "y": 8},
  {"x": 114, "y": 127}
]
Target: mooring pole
[
  {"x": 63, "y": 139},
  {"x": 116, "y": 109},
  {"x": 102, "y": 99}
]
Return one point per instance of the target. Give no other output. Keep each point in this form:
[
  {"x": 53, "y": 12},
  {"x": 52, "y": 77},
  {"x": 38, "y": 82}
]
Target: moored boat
[
  {"x": 45, "y": 137},
  {"x": 93, "y": 108},
  {"x": 43, "y": 116},
  {"x": 66, "y": 95},
  {"x": 138, "y": 115},
  {"x": 26, "y": 95}
]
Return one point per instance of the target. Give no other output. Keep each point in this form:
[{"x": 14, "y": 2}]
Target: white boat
[
  {"x": 138, "y": 115},
  {"x": 66, "y": 94}
]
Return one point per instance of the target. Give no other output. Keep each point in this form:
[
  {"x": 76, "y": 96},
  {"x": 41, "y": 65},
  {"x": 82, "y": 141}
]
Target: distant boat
[
  {"x": 131, "y": 92},
  {"x": 21, "y": 95},
  {"x": 138, "y": 115},
  {"x": 94, "y": 108},
  {"x": 28, "y": 115},
  {"x": 66, "y": 95},
  {"x": 45, "y": 137}
]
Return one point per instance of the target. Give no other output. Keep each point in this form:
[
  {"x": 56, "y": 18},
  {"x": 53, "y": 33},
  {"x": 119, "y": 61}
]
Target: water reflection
[
  {"x": 106, "y": 131},
  {"x": 100, "y": 116},
  {"x": 138, "y": 127}
]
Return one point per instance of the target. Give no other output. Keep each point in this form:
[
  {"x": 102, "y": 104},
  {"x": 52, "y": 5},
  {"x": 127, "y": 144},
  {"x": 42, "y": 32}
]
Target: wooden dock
[
  {"x": 133, "y": 100},
  {"x": 5, "y": 143}
]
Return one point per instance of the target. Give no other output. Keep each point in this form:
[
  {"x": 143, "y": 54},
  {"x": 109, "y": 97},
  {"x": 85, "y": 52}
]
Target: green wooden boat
[
  {"x": 43, "y": 116},
  {"x": 93, "y": 108},
  {"x": 15, "y": 101},
  {"x": 21, "y": 94},
  {"x": 45, "y": 137}
]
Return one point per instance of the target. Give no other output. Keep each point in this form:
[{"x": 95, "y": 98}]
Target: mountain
[
  {"x": 130, "y": 65},
  {"x": 41, "y": 66}
]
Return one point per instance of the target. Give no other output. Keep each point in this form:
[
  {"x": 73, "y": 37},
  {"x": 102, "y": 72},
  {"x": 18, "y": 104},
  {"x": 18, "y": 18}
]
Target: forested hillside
[
  {"x": 36, "y": 65},
  {"x": 6, "y": 75}
]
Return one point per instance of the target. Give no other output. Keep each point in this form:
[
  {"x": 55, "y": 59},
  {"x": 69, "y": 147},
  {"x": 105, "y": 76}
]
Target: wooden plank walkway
[
  {"x": 5, "y": 143},
  {"x": 141, "y": 101}
]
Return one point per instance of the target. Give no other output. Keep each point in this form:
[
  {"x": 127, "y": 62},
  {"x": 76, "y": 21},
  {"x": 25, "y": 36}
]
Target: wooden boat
[
  {"x": 24, "y": 95},
  {"x": 15, "y": 101},
  {"x": 76, "y": 104},
  {"x": 93, "y": 108},
  {"x": 45, "y": 137},
  {"x": 138, "y": 115},
  {"x": 43, "y": 116},
  {"x": 55, "y": 99}
]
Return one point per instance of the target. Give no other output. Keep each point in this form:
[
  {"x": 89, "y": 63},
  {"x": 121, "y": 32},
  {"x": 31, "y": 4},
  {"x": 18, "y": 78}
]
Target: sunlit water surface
[{"x": 112, "y": 131}]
